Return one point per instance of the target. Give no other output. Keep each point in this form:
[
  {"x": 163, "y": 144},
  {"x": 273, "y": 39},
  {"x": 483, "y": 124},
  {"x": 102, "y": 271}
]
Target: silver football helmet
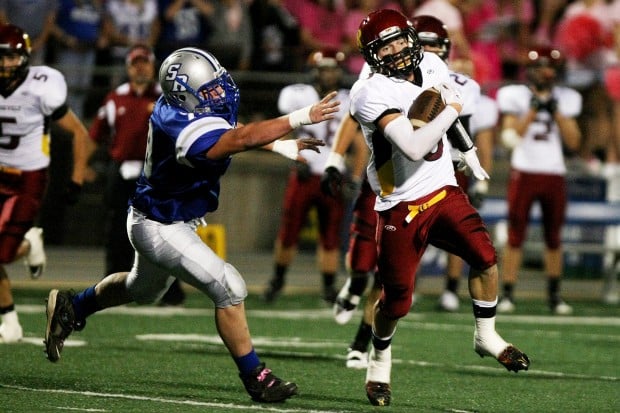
[{"x": 192, "y": 79}]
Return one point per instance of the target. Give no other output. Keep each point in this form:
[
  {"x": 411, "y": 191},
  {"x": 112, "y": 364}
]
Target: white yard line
[
  {"x": 231, "y": 406},
  {"x": 313, "y": 314}
]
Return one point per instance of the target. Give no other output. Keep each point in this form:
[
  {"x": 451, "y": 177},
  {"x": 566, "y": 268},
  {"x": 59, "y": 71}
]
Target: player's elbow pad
[{"x": 459, "y": 138}]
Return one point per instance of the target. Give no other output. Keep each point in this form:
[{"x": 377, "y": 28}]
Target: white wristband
[
  {"x": 300, "y": 117},
  {"x": 510, "y": 138},
  {"x": 336, "y": 160},
  {"x": 287, "y": 148}
]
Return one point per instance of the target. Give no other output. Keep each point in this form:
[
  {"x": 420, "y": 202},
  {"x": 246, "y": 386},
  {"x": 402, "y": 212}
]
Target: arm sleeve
[{"x": 416, "y": 144}]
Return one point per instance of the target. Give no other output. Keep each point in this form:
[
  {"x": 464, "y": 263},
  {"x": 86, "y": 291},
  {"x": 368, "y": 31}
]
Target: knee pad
[{"x": 233, "y": 289}]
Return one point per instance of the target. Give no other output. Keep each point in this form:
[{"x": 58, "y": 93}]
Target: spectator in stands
[
  {"x": 77, "y": 35},
  {"x": 321, "y": 26},
  {"x": 35, "y": 17},
  {"x": 538, "y": 124},
  {"x": 585, "y": 35},
  {"x": 231, "y": 40},
  {"x": 126, "y": 23},
  {"x": 357, "y": 11},
  {"x": 183, "y": 23},
  {"x": 498, "y": 32},
  {"x": 275, "y": 37}
]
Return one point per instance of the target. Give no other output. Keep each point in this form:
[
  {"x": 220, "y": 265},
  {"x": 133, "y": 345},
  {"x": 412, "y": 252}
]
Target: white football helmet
[{"x": 193, "y": 79}]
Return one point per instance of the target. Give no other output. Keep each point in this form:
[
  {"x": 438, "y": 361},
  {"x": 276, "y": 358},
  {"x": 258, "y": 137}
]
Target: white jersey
[
  {"x": 24, "y": 129},
  {"x": 392, "y": 175},
  {"x": 485, "y": 116},
  {"x": 470, "y": 90},
  {"x": 299, "y": 95},
  {"x": 540, "y": 149}
]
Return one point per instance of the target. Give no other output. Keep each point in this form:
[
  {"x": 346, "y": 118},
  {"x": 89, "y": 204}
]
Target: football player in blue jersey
[{"x": 193, "y": 132}]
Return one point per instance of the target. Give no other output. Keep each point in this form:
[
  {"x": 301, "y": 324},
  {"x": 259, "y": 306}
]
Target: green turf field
[{"x": 150, "y": 359}]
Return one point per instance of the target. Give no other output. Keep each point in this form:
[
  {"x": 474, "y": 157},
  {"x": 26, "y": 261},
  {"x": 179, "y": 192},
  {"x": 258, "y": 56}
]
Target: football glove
[
  {"x": 478, "y": 192},
  {"x": 331, "y": 182},
  {"x": 470, "y": 165},
  {"x": 450, "y": 94},
  {"x": 550, "y": 105}
]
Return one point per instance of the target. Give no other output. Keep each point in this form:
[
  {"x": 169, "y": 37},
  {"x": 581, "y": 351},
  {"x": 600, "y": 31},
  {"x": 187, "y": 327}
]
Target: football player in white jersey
[
  {"x": 361, "y": 259},
  {"x": 30, "y": 97},
  {"x": 303, "y": 191},
  {"x": 418, "y": 200},
  {"x": 193, "y": 133},
  {"x": 538, "y": 124}
]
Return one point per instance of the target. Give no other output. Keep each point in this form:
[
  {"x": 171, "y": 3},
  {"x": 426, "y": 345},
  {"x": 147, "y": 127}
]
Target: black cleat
[
  {"x": 60, "y": 322},
  {"x": 273, "y": 290},
  {"x": 263, "y": 386},
  {"x": 511, "y": 357},
  {"x": 379, "y": 394},
  {"x": 514, "y": 359}
]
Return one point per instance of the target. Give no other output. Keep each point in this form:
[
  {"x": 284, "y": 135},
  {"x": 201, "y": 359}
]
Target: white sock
[
  {"x": 10, "y": 318},
  {"x": 379, "y": 365}
]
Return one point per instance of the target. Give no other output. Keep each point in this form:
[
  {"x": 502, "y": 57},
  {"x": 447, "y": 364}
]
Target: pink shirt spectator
[
  {"x": 353, "y": 18},
  {"x": 492, "y": 29},
  {"x": 323, "y": 25}
]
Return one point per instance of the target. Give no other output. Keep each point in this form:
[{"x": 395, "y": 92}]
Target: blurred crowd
[{"x": 85, "y": 39}]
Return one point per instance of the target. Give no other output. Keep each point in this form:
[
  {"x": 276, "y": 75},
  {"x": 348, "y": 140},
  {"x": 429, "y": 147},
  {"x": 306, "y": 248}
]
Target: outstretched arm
[{"x": 257, "y": 134}]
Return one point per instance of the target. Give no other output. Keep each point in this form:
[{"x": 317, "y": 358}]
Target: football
[{"x": 425, "y": 108}]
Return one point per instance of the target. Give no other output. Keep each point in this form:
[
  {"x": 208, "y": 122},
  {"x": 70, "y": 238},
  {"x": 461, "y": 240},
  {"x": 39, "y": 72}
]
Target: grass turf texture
[{"x": 148, "y": 359}]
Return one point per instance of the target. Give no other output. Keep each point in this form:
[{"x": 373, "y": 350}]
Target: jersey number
[{"x": 8, "y": 141}]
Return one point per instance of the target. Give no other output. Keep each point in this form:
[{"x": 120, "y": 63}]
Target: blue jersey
[{"x": 178, "y": 182}]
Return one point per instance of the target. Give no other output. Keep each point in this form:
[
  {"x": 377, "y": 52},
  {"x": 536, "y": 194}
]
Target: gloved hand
[
  {"x": 478, "y": 192},
  {"x": 331, "y": 182},
  {"x": 470, "y": 165},
  {"x": 450, "y": 94},
  {"x": 550, "y": 105},
  {"x": 72, "y": 193}
]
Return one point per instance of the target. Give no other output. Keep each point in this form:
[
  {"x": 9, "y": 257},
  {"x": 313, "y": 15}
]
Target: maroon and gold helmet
[
  {"x": 432, "y": 32},
  {"x": 13, "y": 42},
  {"x": 540, "y": 59},
  {"x": 381, "y": 27},
  {"x": 326, "y": 58}
]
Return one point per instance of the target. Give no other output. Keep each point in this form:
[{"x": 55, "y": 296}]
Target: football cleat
[
  {"x": 60, "y": 322},
  {"x": 263, "y": 386},
  {"x": 506, "y": 305},
  {"x": 357, "y": 359},
  {"x": 448, "y": 301},
  {"x": 345, "y": 304},
  {"x": 508, "y": 355},
  {"x": 379, "y": 394},
  {"x": 561, "y": 308},
  {"x": 35, "y": 260},
  {"x": 273, "y": 290},
  {"x": 513, "y": 359}
]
